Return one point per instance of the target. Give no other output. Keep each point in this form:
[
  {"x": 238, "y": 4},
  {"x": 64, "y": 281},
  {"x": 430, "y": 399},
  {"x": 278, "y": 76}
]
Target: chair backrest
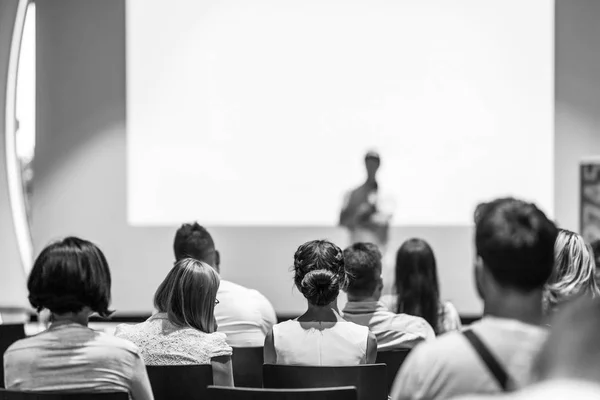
[
  {"x": 180, "y": 382},
  {"x": 9, "y": 334},
  {"x": 247, "y": 366},
  {"x": 393, "y": 360},
  {"x": 337, "y": 393},
  {"x": 369, "y": 380},
  {"x": 15, "y": 395}
]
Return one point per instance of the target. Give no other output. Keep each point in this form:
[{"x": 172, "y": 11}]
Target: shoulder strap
[{"x": 488, "y": 358}]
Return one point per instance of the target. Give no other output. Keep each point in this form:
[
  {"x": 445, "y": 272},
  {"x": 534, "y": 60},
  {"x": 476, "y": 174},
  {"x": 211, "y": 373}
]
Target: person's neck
[
  {"x": 371, "y": 181},
  {"x": 328, "y": 313},
  {"x": 363, "y": 299},
  {"x": 511, "y": 304},
  {"x": 81, "y": 318}
]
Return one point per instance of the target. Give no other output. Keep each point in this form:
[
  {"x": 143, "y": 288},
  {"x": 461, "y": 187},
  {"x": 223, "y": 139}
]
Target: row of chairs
[
  {"x": 195, "y": 382},
  {"x": 213, "y": 393},
  {"x": 248, "y": 365},
  {"x": 192, "y": 382}
]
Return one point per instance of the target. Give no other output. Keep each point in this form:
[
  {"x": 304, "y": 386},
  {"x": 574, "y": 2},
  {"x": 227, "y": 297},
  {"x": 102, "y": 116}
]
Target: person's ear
[
  {"x": 217, "y": 261},
  {"x": 480, "y": 279},
  {"x": 379, "y": 287}
]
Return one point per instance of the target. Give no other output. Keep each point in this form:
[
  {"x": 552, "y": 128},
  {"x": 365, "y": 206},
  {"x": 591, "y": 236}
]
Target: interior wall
[
  {"x": 79, "y": 167},
  {"x": 80, "y": 181},
  {"x": 80, "y": 175},
  {"x": 577, "y": 106}
]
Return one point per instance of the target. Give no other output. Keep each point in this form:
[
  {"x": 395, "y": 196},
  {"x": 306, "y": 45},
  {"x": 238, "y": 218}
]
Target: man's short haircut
[
  {"x": 69, "y": 275},
  {"x": 515, "y": 240},
  {"x": 373, "y": 155},
  {"x": 363, "y": 263},
  {"x": 194, "y": 241}
]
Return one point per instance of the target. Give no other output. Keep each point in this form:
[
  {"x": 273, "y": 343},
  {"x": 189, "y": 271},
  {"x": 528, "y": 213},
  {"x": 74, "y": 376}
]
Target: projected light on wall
[{"x": 259, "y": 112}]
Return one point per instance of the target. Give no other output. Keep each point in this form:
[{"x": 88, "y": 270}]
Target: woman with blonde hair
[
  {"x": 574, "y": 271},
  {"x": 183, "y": 331}
]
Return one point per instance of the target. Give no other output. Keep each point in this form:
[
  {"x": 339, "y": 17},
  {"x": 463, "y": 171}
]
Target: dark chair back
[
  {"x": 180, "y": 382},
  {"x": 338, "y": 393},
  {"x": 369, "y": 380},
  {"x": 247, "y": 366},
  {"x": 9, "y": 334},
  {"x": 393, "y": 360},
  {"x": 14, "y": 395}
]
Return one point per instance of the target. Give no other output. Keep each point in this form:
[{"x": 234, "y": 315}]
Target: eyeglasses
[{"x": 217, "y": 301}]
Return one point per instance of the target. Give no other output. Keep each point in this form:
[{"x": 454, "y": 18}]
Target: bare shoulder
[{"x": 449, "y": 308}]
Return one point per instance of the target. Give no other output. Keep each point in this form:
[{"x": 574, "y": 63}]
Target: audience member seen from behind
[
  {"x": 393, "y": 331},
  {"x": 244, "y": 315},
  {"x": 320, "y": 336},
  {"x": 183, "y": 332},
  {"x": 568, "y": 366},
  {"x": 514, "y": 242},
  {"x": 574, "y": 271},
  {"x": 417, "y": 290},
  {"x": 71, "y": 278}
]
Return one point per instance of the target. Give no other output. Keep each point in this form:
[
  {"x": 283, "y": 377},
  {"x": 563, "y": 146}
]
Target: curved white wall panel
[{"x": 15, "y": 237}]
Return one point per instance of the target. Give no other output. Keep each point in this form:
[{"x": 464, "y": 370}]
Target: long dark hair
[{"x": 417, "y": 281}]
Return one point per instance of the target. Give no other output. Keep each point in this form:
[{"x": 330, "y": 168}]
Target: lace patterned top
[{"x": 162, "y": 343}]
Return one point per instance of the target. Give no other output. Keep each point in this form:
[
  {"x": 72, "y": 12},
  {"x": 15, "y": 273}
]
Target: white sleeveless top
[{"x": 320, "y": 343}]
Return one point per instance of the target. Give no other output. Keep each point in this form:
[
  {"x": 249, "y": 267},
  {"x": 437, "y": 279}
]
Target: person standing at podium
[{"x": 363, "y": 212}]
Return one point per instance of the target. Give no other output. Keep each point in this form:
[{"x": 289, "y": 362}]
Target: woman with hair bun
[{"x": 320, "y": 336}]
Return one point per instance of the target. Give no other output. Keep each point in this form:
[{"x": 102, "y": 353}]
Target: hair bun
[{"x": 320, "y": 287}]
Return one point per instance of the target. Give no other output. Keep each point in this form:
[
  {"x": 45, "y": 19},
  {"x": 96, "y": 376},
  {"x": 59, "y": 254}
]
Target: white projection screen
[{"x": 259, "y": 112}]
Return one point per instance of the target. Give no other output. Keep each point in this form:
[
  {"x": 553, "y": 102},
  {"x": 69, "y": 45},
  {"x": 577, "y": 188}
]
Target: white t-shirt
[
  {"x": 320, "y": 343},
  {"x": 449, "y": 366},
  {"x": 69, "y": 357},
  {"x": 244, "y": 315}
]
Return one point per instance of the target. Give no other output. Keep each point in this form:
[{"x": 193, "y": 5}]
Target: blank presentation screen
[{"x": 260, "y": 112}]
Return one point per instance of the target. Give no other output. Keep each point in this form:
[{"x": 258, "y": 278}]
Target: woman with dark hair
[
  {"x": 183, "y": 332},
  {"x": 320, "y": 336},
  {"x": 71, "y": 278},
  {"x": 417, "y": 289}
]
